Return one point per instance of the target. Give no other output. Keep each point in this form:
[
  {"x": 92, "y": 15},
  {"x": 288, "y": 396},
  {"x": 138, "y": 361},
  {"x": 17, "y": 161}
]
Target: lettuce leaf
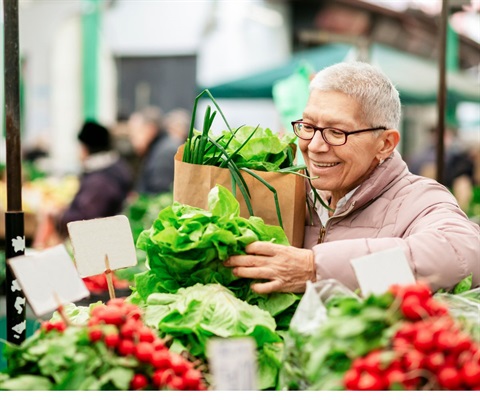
[
  {"x": 264, "y": 151},
  {"x": 195, "y": 314}
]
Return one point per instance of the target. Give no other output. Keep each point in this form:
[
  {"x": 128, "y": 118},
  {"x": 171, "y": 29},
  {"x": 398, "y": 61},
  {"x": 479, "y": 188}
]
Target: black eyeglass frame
[{"x": 317, "y": 128}]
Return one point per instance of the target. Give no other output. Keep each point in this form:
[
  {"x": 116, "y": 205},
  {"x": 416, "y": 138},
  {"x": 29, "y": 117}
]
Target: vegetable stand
[{"x": 157, "y": 338}]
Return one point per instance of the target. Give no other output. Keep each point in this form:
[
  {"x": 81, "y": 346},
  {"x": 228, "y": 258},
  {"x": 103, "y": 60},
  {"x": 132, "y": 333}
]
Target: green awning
[{"x": 416, "y": 78}]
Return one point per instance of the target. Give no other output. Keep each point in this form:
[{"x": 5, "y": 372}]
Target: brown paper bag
[{"x": 192, "y": 183}]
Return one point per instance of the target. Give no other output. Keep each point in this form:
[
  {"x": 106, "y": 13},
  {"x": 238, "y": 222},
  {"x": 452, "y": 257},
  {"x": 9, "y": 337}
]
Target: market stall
[{"x": 189, "y": 323}]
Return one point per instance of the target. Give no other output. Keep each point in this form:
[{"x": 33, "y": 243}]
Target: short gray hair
[{"x": 374, "y": 91}]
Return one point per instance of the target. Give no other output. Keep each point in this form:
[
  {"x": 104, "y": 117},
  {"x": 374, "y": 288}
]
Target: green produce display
[
  {"x": 404, "y": 339},
  {"x": 198, "y": 313},
  {"x": 189, "y": 294},
  {"x": 106, "y": 347},
  {"x": 187, "y": 245}
]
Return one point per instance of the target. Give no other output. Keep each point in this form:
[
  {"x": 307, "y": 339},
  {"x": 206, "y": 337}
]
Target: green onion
[{"x": 272, "y": 189}]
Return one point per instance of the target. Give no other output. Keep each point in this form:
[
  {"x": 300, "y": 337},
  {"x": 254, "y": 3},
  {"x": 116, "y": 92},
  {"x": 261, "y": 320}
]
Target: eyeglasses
[{"x": 332, "y": 136}]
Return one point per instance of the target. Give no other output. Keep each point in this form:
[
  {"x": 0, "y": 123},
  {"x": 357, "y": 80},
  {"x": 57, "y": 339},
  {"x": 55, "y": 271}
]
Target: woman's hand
[{"x": 284, "y": 268}]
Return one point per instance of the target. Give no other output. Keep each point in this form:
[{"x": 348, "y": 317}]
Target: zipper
[
  {"x": 321, "y": 235},
  {"x": 323, "y": 229}
]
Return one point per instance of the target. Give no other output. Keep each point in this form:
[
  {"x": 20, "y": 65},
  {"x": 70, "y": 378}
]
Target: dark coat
[
  {"x": 102, "y": 193},
  {"x": 157, "y": 169}
]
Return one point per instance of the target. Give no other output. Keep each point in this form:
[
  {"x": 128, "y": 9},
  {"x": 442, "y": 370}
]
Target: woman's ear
[{"x": 389, "y": 141}]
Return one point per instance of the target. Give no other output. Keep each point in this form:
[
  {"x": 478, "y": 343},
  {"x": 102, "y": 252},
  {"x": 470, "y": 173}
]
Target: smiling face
[{"x": 342, "y": 168}]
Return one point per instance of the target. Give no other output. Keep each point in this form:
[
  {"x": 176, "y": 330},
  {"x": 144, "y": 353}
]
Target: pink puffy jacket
[{"x": 394, "y": 208}]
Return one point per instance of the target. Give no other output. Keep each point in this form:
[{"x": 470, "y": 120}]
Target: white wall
[
  {"x": 146, "y": 27},
  {"x": 231, "y": 38},
  {"x": 39, "y": 25},
  {"x": 243, "y": 37}
]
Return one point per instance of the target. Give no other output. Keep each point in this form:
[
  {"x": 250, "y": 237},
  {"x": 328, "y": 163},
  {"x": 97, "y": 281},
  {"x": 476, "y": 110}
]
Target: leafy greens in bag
[{"x": 255, "y": 148}]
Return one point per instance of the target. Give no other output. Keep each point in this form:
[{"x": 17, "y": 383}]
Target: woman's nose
[{"x": 318, "y": 143}]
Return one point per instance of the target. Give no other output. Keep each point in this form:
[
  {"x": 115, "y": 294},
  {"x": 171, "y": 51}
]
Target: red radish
[
  {"x": 144, "y": 351},
  {"x": 126, "y": 347},
  {"x": 176, "y": 383},
  {"x": 463, "y": 343},
  {"x": 178, "y": 364},
  {"x": 420, "y": 290},
  {"x": 434, "y": 361},
  {"x": 449, "y": 378},
  {"x": 368, "y": 381},
  {"x": 145, "y": 334},
  {"x": 138, "y": 382},
  {"x": 470, "y": 373},
  {"x": 413, "y": 360},
  {"x": 394, "y": 375},
  {"x": 162, "y": 377},
  {"x": 435, "y": 308},
  {"x": 192, "y": 379},
  {"x": 129, "y": 328},
  {"x": 446, "y": 340},
  {"x": 99, "y": 309},
  {"x": 350, "y": 379},
  {"x": 113, "y": 316},
  {"x": 412, "y": 308},
  {"x": 95, "y": 334},
  {"x": 161, "y": 359},
  {"x": 112, "y": 339},
  {"x": 372, "y": 362},
  {"x": 424, "y": 341}
]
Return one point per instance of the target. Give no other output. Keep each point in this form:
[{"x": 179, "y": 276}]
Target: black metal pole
[
  {"x": 14, "y": 218},
  {"x": 442, "y": 91}
]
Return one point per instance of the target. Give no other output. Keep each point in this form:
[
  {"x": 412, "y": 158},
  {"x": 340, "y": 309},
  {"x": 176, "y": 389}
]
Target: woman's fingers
[
  {"x": 253, "y": 273},
  {"x": 267, "y": 287},
  {"x": 263, "y": 248},
  {"x": 283, "y": 268}
]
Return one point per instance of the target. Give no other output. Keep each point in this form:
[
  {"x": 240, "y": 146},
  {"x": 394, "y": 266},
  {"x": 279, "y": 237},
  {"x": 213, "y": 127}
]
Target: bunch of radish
[
  {"x": 427, "y": 351},
  {"x": 119, "y": 325}
]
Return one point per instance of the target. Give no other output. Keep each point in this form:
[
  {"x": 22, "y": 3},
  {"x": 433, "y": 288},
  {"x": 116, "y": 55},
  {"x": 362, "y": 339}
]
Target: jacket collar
[
  {"x": 381, "y": 179},
  {"x": 97, "y": 161}
]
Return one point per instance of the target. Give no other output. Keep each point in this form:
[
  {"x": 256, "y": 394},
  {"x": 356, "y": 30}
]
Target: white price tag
[
  {"x": 233, "y": 363},
  {"x": 378, "y": 271},
  {"x": 48, "y": 279},
  {"x": 94, "y": 240}
]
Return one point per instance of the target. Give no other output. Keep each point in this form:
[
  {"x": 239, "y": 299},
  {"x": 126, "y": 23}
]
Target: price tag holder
[
  {"x": 378, "y": 271},
  {"x": 48, "y": 279},
  {"x": 233, "y": 363},
  {"x": 96, "y": 240}
]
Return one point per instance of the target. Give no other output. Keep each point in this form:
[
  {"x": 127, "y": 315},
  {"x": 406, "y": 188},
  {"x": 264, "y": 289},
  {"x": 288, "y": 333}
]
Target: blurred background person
[
  {"x": 155, "y": 139},
  {"x": 177, "y": 125},
  {"x": 458, "y": 165},
  {"x": 105, "y": 184}
]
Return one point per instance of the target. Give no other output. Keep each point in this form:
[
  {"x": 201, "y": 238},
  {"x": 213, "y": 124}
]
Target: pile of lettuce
[
  {"x": 187, "y": 245},
  {"x": 188, "y": 293},
  {"x": 198, "y": 313}
]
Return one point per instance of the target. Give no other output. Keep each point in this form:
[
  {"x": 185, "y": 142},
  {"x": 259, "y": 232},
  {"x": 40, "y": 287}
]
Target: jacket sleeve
[
  {"x": 441, "y": 245},
  {"x": 93, "y": 200}
]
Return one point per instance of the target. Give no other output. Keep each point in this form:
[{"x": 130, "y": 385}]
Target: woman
[
  {"x": 348, "y": 137},
  {"x": 105, "y": 183}
]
